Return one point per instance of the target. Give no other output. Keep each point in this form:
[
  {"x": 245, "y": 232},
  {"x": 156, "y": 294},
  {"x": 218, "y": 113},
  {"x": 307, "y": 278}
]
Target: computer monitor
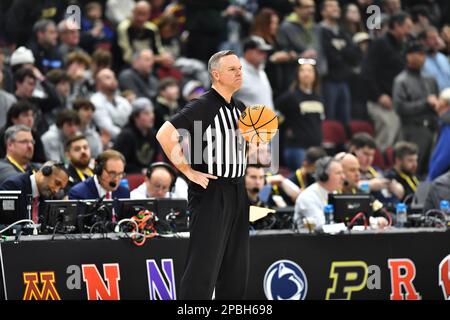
[
  {"x": 347, "y": 206},
  {"x": 10, "y": 209},
  {"x": 94, "y": 212},
  {"x": 128, "y": 208},
  {"x": 61, "y": 216},
  {"x": 174, "y": 212}
]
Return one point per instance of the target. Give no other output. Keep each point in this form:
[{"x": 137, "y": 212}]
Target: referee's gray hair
[
  {"x": 11, "y": 132},
  {"x": 214, "y": 61}
]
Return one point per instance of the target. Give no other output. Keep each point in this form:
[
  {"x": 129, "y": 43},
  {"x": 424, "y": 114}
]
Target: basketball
[{"x": 258, "y": 124}]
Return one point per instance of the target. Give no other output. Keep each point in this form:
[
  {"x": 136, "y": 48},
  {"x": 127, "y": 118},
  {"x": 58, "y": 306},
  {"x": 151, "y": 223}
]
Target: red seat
[
  {"x": 357, "y": 126},
  {"x": 135, "y": 180},
  {"x": 389, "y": 157},
  {"x": 378, "y": 160},
  {"x": 333, "y": 134}
]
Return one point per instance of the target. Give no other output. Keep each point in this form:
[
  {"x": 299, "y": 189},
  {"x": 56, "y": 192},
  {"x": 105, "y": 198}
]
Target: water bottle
[
  {"x": 445, "y": 208},
  {"x": 364, "y": 187},
  {"x": 124, "y": 183},
  {"x": 401, "y": 215},
  {"x": 329, "y": 214}
]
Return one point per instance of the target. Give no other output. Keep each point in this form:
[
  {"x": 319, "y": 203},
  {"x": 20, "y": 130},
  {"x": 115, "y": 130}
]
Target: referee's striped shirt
[{"x": 215, "y": 143}]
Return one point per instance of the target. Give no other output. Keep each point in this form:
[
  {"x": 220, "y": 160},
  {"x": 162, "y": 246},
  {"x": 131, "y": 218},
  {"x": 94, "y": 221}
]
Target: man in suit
[
  {"x": 19, "y": 152},
  {"x": 78, "y": 152},
  {"x": 108, "y": 171},
  {"x": 35, "y": 188}
]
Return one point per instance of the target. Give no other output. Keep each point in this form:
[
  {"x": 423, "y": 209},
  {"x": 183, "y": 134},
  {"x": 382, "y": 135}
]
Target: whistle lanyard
[
  {"x": 18, "y": 166},
  {"x": 81, "y": 173},
  {"x": 299, "y": 174},
  {"x": 412, "y": 182}
]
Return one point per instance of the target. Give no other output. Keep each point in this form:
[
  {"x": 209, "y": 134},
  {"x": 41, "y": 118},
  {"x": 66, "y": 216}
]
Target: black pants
[{"x": 218, "y": 254}]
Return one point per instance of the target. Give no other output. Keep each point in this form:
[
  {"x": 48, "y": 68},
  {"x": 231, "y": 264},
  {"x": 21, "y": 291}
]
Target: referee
[{"x": 218, "y": 251}]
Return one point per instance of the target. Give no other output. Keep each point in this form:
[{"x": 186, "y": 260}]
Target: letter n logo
[
  {"x": 161, "y": 287},
  {"x": 96, "y": 287},
  {"x": 32, "y": 291},
  {"x": 403, "y": 272},
  {"x": 444, "y": 276}
]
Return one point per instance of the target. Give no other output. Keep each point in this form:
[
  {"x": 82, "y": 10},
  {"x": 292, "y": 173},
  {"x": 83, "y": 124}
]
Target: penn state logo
[{"x": 285, "y": 280}]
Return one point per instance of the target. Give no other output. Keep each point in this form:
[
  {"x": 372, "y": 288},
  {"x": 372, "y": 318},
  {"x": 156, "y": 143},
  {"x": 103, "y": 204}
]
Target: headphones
[
  {"x": 168, "y": 167},
  {"x": 100, "y": 163},
  {"x": 322, "y": 166},
  {"x": 47, "y": 169}
]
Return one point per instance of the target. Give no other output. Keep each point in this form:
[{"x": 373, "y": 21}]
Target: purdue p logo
[{"x": 40, "y": 286}]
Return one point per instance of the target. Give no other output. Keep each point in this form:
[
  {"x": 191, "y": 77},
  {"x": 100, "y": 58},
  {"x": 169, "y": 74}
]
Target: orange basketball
[{"x": 258, "y": 124}]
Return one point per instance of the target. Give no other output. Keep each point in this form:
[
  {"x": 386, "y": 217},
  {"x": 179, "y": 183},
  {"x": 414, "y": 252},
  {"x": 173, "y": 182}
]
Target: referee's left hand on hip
[{"x": 200, "y": 178}]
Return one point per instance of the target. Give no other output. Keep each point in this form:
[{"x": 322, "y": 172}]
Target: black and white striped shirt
[{"x": 216, "y": 145}]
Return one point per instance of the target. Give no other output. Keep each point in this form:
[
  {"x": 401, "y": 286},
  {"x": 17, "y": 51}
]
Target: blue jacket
[
  {"x": 86, "y": 190},
  {"x": 440, "y": 159}
]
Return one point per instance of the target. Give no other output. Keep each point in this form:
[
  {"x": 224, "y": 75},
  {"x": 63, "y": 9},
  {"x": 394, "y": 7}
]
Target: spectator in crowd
[
  {"x": 385, "y": 60},
  {"x": 363, "y": 146},
  {"x": 118, "y": 10},
  {"x": 298, "y": 32},
  {"x": 111, "y": 109},
  {"x": 55, "y": 139},
  {"x": 78, "y": 64},
  {"x": 440, "y": 159},
  {"x": 108, "y": 171},
  {"x": 303, "y": 112},
  {"x": 44, "y": 46},
  {"x": 341, "y": 55},
  {"x": 85, "y": 110},
  {"x": 96, "y": 32},
  {"x": 24, "y": 13},
  {"x": 139, "y": 78},
  {"x": 436, "y": 63},
  {"x": 27, "y": 80},
  {"x": 78, "y": 155},
  {"x": 137, "y": 140},
  {"x": 192, "y": 90},
  {"x": 6, "y": 101},
  {"x": 256, "y": 89},
  {"x": 137, "y": 33},
  {"x": 356, "y": 81},
  {"x": 23, "y": 112},
  {"x": 61, "y": 82},
  {"x": 42, "y": 185},
  {"x": 19, "y": 152},
  {"x": 206, "y": 25},
  {"x": 405, "y": 167},
  {"x": 352, "y": 22},
  {"x": 415, "y": 101},
  {"x": 159, "y": 182},
  {"x": 191, "y": 69},
  {"x": 167, "y": 101},
  {"x": 312, "y": 201},
  {"x": 304, "y": 176},
  {"x": 69, "y": 38},
  {"x": 101, "y": 59},
  {"x": 266, "y": 25}
]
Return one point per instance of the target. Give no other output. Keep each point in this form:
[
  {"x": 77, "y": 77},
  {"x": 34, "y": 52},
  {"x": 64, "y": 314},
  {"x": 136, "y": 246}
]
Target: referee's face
[{"x": 230, "y": 72}]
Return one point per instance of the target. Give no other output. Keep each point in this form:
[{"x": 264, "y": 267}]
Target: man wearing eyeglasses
[
  {"x": 19, "y": 152},
  {"x": 108, "y": 171}
]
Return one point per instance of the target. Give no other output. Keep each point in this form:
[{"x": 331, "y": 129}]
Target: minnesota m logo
[{"x": 32, "y": 291}]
